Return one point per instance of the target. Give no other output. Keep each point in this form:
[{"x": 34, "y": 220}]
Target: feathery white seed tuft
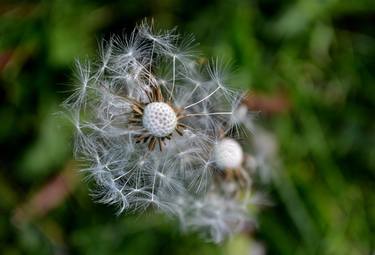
[
  {"x": 119, "y": 106},
  {"x": 159, "y": 119},
  {"x": 228, "y": 154}
]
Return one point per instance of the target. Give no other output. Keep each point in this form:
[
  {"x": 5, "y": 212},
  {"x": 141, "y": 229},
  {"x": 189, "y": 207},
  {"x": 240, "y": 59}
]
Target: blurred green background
[{"x": 316, "y": 57}]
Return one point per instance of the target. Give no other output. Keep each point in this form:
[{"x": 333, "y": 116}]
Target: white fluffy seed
[
  {"x": 228, "y": 154},
  {"x": 159, "y": 119}
]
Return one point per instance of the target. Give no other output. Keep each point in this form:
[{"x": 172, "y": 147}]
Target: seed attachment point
[{"x": 159, "y": 119}]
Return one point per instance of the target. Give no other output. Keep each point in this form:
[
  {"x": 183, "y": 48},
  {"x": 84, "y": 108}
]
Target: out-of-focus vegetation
[{"x": 317, "y": 55}]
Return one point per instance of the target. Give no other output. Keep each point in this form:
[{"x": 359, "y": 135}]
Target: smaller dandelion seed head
[
  {"x": 228, "y": 154},
  {"x": 159, "y": 119}
]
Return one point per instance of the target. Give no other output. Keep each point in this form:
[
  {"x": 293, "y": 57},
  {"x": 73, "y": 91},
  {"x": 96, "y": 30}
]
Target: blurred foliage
[{"x": 320, "y": 54}]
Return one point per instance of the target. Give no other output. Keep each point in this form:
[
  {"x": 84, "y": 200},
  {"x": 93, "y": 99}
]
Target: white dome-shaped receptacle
[
  {"x": 159, "y": 119},
  {"x": 228, "y": 154}
]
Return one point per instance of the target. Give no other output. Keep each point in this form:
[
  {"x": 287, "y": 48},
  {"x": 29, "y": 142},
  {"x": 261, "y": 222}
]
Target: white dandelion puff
[
  {"x": 147, "y": 115},
  {"x": 231, "y": 202},
  {"x": 155, "y": 127}
]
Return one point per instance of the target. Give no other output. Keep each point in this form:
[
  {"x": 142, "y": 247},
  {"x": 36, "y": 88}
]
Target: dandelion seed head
[
  {"x": 159, "y": 119},
  {"x": 228, "y": 154},
  {"x": 147, "y": 113},
  {"x": 150, "y": 118}
]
